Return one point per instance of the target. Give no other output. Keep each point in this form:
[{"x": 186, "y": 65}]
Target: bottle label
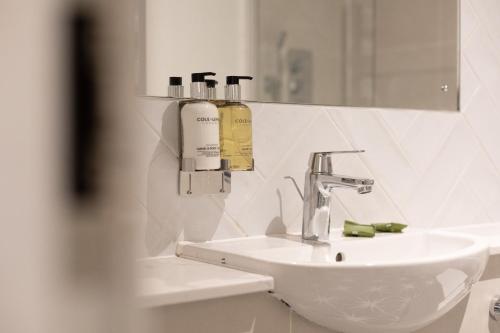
[
  {"x": 242, "y": 121},
  {"x": 207, "y": 119},
  {"x": 208, "y": 150},
  {"x": 236, "y": 137},
  {"x": 200, "y": 135}
]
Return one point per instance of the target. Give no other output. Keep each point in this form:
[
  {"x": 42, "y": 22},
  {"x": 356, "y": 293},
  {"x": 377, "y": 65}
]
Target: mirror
[{"x": 367, "y": 53}]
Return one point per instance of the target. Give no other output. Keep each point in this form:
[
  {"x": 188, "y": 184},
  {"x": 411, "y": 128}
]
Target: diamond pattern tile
[{"x": 431, "y": 169}]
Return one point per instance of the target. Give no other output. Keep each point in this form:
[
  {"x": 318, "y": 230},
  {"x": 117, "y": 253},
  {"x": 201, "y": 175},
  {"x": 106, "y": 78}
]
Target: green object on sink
[
  {"x": 389, "y": 227},
  {"x": 353, "y": 229}
]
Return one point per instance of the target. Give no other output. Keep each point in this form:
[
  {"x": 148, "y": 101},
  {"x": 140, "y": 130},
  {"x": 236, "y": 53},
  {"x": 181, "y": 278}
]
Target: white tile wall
[{"x": 431, "y": 169}]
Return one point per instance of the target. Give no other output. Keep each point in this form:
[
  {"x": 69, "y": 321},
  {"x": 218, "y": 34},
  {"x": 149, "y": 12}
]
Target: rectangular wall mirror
[{"x": 367, "y": 53}]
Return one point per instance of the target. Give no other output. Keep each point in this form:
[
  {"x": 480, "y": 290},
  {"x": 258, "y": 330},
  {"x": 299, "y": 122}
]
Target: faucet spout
[
  {"x": 319, "y": 183},
  {"x": 361, "y": 185}
]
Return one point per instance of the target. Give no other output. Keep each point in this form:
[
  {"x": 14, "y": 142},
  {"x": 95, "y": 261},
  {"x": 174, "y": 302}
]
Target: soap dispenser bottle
[
  {"x": 200, "y": 126},
  {"x": 212, "y": 93},
  {"x": 236, "y": 127},
  {"x": 211, "y": 89},
  {"x": 175, "y": 88}
]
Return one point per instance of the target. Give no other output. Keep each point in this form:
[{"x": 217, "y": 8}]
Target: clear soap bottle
[
  {"x": 212, "y": 92},
  {"x": 175, "y": 88},
  {"x": 235, "y": 120}
]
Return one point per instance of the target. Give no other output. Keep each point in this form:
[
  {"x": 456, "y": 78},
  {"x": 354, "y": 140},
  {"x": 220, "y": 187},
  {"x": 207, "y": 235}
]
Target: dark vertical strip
[{"x": 83, "y": 106}]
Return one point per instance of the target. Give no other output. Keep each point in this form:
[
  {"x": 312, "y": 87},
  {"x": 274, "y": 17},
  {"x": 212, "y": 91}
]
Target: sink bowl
[
  {"x": 490, "y": 232},
  {"x": 391, "y": 283}
]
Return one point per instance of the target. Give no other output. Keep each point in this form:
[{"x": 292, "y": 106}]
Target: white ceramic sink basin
[
  {"x": 490, "y": 232},
  {"x": 395, "y": 283}
]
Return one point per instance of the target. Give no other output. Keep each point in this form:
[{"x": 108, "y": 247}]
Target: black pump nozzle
[
  {"x": 200, "y": 77},
  {"x": 175, "y": 81},
  {"x": 236, "y": 79},
  {"x": 211, "y": 83}
]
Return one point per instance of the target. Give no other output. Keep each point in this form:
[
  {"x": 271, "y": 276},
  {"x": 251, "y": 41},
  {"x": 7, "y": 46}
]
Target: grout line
[
  {"x": 259, "y": 173},
  {"x": 465, "y": 39},
  {"x": 465, "y": 60},
  {"x": 294, "y": 144},
  {"x": 484, "y": 207},
  {"x": 229, "y": 216},
  {"x": 272, "y": 174},
  {"x": 486, "y": 27},
  {"x": 443, "y": 146},
  {"x": 493, "y": 100},
  {"x": 341, "y": 132},
  {"x": 382, "y": 187},
  {"x": 154, "y": 157},
  {"x": 489, "y": 216},
  {"x": 156, "y": 220},
  {"x": 244, "y": 202},
  {"x": 482, "y": 146},
  {"x": 488, "y": 213},
  {"x": 236, "y": 224},
  {"x": 386, "y": 127},
  {"x": 159, "y": 134},
  {"x": 485, "y": 86},
  {"x": 441, "y": 149},
  {"x": 450, "y": 192},
  {"x": 412, "y": 122},
  {"x": 148, "y": 123}
]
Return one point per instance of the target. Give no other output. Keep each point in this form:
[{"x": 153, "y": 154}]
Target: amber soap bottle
[{"x": 235, "y": 121}]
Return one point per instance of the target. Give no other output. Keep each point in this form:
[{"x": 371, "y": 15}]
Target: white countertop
[{"x": 172, "y": 280}]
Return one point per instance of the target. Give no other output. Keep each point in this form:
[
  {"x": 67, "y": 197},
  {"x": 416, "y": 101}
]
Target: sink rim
[
  {"x": 493, "y": 239},
  {"x": 477, "y": 245},
  {"x": 468, "y": 259}
]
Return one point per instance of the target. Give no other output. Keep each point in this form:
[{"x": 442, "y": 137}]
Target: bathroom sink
[
  {"x": 490, "y": 232},
  {"x": 390, "y": 283}
]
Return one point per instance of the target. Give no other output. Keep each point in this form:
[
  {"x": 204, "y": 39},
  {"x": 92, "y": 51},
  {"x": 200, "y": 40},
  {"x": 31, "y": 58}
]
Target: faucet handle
[{"x": 321, "y": 162}]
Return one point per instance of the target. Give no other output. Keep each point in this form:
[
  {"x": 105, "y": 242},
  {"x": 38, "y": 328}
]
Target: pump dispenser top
[
  {"x": 175, "y": 88},
  {"x": 175, "y": 80},
  {"x": 212, "y": 90},
  {"x": 199, "y": 86},
  {"x": 233, "y": 88}
]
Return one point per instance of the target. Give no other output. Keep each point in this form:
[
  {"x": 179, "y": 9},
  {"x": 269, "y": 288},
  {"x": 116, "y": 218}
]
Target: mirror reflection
[{"x": 369, "y": 53}]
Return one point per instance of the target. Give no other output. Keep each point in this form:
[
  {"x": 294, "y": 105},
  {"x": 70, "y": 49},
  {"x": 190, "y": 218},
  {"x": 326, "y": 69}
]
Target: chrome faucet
[{"x": 319, "y": 183}]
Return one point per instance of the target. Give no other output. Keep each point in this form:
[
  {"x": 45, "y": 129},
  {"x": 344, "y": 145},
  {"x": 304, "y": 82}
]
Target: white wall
[{"x": 432, "y": 169}]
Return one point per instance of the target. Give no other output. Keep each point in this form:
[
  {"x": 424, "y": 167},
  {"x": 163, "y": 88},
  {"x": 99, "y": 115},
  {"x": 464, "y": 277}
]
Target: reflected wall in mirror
[{"x": 369, "y": 53}]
